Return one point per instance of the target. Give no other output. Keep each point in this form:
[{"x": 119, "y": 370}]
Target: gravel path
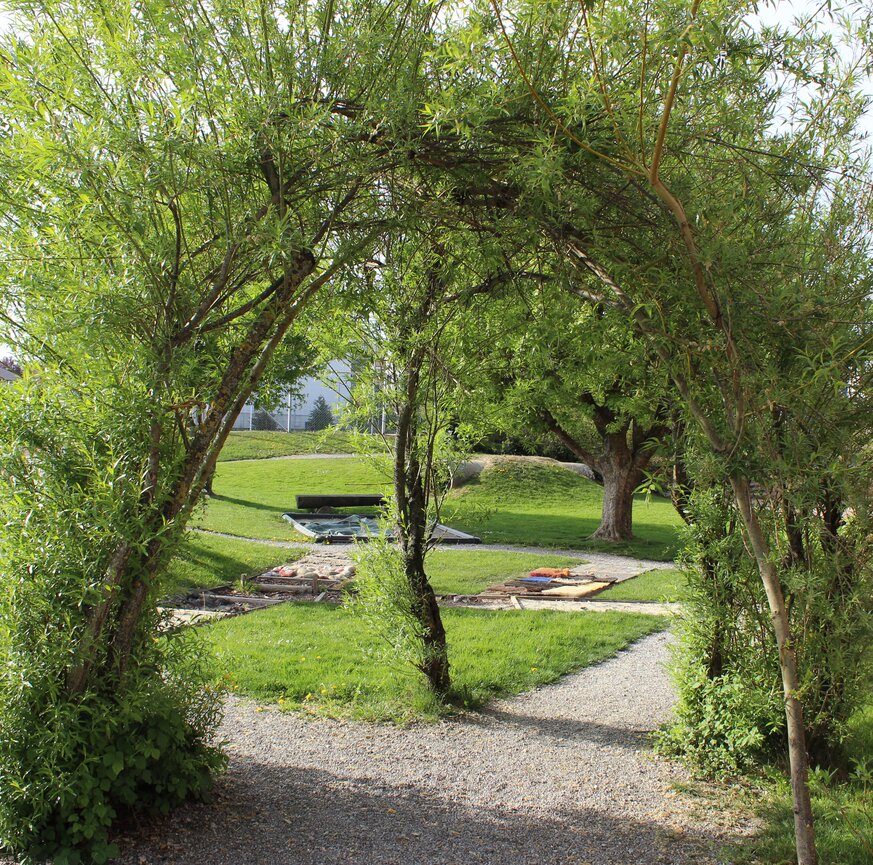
[{"x": 558, "y": 775}]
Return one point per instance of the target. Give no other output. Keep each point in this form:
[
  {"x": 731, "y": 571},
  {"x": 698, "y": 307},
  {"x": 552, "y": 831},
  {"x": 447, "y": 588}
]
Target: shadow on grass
[
  {"x": 264, "y": 814},
  {"x": 562, "y": 531},
  {"x": 245, "y": 503}
]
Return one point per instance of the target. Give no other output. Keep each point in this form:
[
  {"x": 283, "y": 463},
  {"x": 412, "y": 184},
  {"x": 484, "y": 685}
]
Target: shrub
[{"x": 135, "y": 735}]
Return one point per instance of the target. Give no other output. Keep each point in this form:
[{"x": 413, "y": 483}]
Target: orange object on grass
[{"x": 550, "y": 572}]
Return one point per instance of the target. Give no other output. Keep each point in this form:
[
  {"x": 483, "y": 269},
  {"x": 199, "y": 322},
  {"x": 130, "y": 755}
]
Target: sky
[{"x": 786, "y": 12}]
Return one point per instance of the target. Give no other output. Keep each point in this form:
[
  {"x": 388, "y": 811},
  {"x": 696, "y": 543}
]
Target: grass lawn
[
  {"x": 548, "y": 506},
  {"x": 510, "y": 503},
  {"x": 210, "y": 561},
  {"x": 467, "y": 572},
  {"x": 256, "y": 444},
  {"x": 250, "y": 495},
  {"x": 666, "y": 585},
  {"x": 318, "y": 657}
]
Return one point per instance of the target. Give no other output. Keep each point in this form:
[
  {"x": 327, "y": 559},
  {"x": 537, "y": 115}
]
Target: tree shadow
[
  {"x": 246, "y": 503},
  {"x": 569, "y": 730},
  {"x": 263, "y": 814}
]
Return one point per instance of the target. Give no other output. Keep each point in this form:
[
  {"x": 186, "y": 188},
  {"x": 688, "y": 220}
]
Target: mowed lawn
[
  {"x": 258, "y": 444},
  {"x": 542, "y": 505},
  {"x": 661, "y": 585},
  {"x": 251, "y": 495},
  {"x": 319, "y": 657},
  {"x": 512, "y": 503},
  {"x": 468, "y": 572},
  {"x": 206, "y": 561}
]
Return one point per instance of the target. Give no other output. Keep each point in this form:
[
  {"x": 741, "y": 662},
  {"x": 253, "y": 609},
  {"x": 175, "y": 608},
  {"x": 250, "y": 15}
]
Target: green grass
[
  {"x": 510, "y": 503},
  {"x": 211, "y": 561},
  {"x": 468, "y": 572},
  {"x": 549, "y": 506},
  {"x": 843, "y": 811},
  {"x": 320, "y": 658},
  {"x": 256, "y": 444},
  {"x": 666, "y": 585},
  {"x": 250, "y": 495}
]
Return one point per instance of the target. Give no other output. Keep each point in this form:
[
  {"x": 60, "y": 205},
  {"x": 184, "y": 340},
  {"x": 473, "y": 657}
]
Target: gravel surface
[{"x": 559, "y": 775}]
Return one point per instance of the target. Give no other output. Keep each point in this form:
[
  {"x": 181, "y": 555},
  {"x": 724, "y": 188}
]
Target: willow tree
[
  {"x": 178, "y": 182},
  {"x": 667, "y": 176},
  {"x": 407, "y": 311}
]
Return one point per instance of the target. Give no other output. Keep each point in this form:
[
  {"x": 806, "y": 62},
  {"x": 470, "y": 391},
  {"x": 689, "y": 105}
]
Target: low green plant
[
  {"x": 730, "y": 713},
  {"x": 842, "y": 805},
  {"x": 722, "y": 724},
  {"x": 386, "y": 603}
]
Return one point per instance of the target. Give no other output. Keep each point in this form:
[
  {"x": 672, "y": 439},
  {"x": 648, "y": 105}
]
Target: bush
[
  {"x": 137, "y": 734},
  {"x": 730, "y": 713}
]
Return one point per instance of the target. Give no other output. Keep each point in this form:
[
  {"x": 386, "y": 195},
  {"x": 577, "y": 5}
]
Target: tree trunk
[
  {"x": 797, "y": 755},
  {"x": 435, "y": 661},
  {"x": 411, "y": 503},
  {"x": 621, "y": 477},
  {"x": 620, "y": 464}
]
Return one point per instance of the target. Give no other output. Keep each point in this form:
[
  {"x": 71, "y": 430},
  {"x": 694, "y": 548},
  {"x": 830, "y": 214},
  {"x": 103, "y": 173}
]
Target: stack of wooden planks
[{"x": 570, "y": 588}]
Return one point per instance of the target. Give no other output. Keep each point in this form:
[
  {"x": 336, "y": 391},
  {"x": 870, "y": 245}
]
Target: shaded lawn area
[
  {"x": 257, "y": 444},
  {"x": 543, "y": 505},
  {"x": 207, "y": 561},
  {"x": 468, "y": 572},
  {"x": 661, "y": 585},
  {"x": 319, "y": 657},
  {"x": 511, "y": 503},
  {"x": 251, "y": 495}
]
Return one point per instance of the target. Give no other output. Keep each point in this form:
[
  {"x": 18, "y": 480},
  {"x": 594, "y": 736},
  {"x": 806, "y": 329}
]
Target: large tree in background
[
  {"x": 177, "y": 183},
  {"x": 581, "y": 375}
]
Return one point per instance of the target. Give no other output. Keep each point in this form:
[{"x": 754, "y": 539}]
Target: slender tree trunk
[
  {"x": 435, "y": 663},
  {"x": 411, "y": 502},
  {"x": 797, "y": 755}
]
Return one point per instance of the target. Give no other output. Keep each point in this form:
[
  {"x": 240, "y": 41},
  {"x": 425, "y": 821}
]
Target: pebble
[{"x": 559, "y": 776}]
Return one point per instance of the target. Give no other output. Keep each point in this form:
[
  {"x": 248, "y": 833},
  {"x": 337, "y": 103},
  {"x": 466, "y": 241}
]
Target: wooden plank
[
  {"x": 575, "y": 591},
  {"x": 246, "y": 599}
]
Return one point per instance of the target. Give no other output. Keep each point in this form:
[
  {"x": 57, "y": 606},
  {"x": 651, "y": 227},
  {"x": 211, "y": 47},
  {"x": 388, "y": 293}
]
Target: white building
[{"x": 293, "y": 411}]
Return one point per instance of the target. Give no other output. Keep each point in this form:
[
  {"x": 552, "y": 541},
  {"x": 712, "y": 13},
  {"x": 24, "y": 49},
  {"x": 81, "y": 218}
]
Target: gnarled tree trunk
[
  {"x": 621, "y": 475},
  {"x": 621, "y": 463},
  {"x": 411, "y": 502}
]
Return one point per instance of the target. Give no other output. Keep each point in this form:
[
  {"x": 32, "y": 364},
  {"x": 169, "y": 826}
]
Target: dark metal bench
[{"x": 353, "y": 500}]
